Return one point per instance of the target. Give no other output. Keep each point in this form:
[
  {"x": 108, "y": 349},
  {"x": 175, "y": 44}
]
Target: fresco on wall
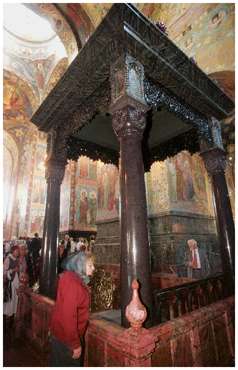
[
  {"x": 157, "y": 188},
  {"x": 184, "y": 179},
  {"x": 231, "y": 188},
  {"x": 37, "y": 220},
  {"x": 39, "y": 188},
  {"x": 108, "y": 191},
  {"x": 16, "y": 104},
  {"x": 179, "y": 183},
  {"x": 65, "y": 191},
  {"x": 85, "y": 202}
]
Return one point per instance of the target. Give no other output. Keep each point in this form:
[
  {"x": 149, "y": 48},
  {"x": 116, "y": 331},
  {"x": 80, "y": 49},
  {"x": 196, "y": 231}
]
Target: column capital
[
  {"x": 128, "y": 117},
  {"x": 215, "y": 160}
]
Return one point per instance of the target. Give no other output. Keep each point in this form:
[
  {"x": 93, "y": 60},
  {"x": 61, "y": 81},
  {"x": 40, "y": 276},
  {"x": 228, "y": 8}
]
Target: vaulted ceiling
[{"x": 42, "y": 39}]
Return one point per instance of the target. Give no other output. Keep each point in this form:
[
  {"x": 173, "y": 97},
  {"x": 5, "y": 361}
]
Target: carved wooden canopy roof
[{"x": 79, "y": 103}]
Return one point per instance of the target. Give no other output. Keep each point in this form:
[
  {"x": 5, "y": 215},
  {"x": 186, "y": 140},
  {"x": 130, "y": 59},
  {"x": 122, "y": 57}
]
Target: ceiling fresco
[
  {"x": 41, "y": 58},
  {"x": 18, "y": 100}
]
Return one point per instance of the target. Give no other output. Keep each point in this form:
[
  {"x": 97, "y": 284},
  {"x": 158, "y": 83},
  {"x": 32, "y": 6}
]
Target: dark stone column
[
  {"x": 215, "y": 162},
  {"x": 128, "y": 110},
  {"x": 129, "y": 123},
  {"x": 54, "y": 177},
  {"x": 55, "y": 168}
]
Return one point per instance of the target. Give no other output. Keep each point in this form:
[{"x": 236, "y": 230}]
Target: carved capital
[
  {"x": 215, "y": 160},
  {"x": 55, "y": 172},
  {"x": 129, "y": 120}
]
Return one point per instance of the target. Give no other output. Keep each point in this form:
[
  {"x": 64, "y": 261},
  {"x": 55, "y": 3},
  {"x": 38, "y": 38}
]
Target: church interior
[{"x": 159, "y": 80}]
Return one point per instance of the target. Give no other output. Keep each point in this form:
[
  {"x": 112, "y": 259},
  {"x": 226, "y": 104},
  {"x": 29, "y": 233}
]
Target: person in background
[
  {"x": 192, "y": 260},
  {"x": 80, "y": 245},
  {"x": 22, "y": 259},
  {"x": 72, "y": 245},
  {"x": 62, "y": 254},
  {"x": 91, "y": 243},
  {"x": 71, "y": 311},
  {"x": 34, "y": 251},
  {"x": 67, "y": 243},
  {"x": 11, "y": 282}
]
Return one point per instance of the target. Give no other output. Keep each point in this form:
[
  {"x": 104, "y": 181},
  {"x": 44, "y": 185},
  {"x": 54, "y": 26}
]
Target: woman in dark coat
[{"x": 71, "y": 311}]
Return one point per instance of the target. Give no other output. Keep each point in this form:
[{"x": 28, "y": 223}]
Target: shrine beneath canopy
[{"x": 131, "y": 91}]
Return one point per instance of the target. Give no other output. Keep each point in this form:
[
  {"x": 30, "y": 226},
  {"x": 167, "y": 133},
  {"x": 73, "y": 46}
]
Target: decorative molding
[
  {"x": 77, "y": 147},
  {"x": 157, "y": 96}
]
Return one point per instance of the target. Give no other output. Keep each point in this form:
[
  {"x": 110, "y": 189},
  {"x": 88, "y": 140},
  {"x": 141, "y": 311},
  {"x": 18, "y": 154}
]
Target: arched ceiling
[
  {"x": 18, "y": 99},
  {"x": 35, "y": 61}
]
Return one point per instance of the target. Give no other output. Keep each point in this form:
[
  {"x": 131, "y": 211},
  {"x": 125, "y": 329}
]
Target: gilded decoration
[{"x": 102, "y": 291}]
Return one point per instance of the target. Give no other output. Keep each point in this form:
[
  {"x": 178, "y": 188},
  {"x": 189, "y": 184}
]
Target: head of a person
[
  {"x": 66, "y": 237},
  {"x": 192, "y": 244},
  {"x": 82, "y": 263},
  {"x": 15, "y": 250},
  {"x": 22, "y": 250},
  {"x": 36, "y": 235}
]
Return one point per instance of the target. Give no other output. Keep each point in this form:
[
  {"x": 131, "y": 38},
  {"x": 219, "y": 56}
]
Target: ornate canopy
[{"x": 179, "y": 94}]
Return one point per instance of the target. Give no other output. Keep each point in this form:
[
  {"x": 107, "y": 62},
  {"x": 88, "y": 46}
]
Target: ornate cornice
[{"x": 156, "y": 96}]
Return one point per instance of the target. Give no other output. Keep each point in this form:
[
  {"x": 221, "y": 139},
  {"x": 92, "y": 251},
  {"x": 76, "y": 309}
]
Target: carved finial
[{"x": 135, "y": 311}]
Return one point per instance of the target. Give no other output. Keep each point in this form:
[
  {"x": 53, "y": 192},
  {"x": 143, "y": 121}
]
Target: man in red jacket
[{"x": 71, "y": 311}]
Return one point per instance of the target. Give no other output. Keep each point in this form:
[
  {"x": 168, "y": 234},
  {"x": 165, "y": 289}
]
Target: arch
[
  {"x": 60, "y": 25},
  {"x": 19, "y": 101},
  {"x": 10, "y": 167},
  {"x": 58, "y": 71}
]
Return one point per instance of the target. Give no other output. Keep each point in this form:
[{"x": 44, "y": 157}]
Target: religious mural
[
  {"x": 85, "y": 195},
  {"x": 65, "y": 193},
  {"x": 10, "y": 166},
  {"x": 16, "y": 103},
  {"x": 179, "y": 183},
  {"x": 157, "y": 188},
  {"x": 108, "y": 191},
  {"x": 39, "y": 188}
]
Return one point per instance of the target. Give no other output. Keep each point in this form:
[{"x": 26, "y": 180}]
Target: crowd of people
[{"x": 75, "y": 266}]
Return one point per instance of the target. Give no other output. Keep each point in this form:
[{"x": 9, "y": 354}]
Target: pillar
[
  {"x": 129, "y": 120},
  {"x": 55, "y": 169},
  {"x": 215, "y": 163}
]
